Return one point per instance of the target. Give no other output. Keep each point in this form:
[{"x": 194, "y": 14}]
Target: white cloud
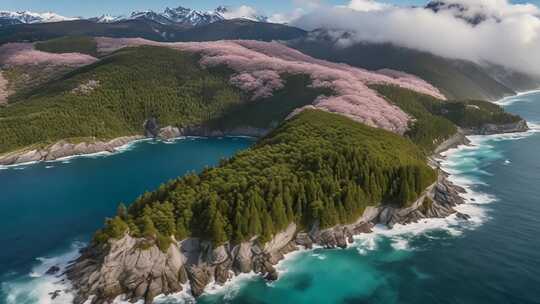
[
  {"x": 511, "y": 39},
  {"x": 243, "y": 11},
  {"x": 286, "y": 18},
  {"x": 367, "y": 5}
]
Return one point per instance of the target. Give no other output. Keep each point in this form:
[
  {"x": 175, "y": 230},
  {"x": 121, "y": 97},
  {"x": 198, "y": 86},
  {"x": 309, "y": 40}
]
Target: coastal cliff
[
  {"x": 490, "y": 129},
  {"x": 137, "y": 266},
  {"x": 125, "y": 267}
]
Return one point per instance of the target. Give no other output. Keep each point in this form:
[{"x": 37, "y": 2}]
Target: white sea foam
[
  {"x": 231, "y": 287},
  {"x": 464, "y": 165},
  {"x": 37, "y": 286},
  {"x": 319, "y": 256},
  {"x": 67, "y": 159},
  {"x": 19, "y": 165},
  {"x": 515, "y": 98}
]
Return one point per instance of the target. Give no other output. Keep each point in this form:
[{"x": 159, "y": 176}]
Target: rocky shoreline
[
  {"x": 122, "y": 268},
  {"x": 64, "y": 148},
  {"x": 490, "y": 129}
]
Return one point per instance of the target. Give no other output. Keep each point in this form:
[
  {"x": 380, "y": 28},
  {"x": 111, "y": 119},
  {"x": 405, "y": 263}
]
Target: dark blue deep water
[
  {"x": 493, "y": 258},
  {"x": 48, "y": 208}
]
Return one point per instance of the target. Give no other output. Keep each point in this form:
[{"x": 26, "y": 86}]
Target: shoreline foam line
[
  {"x": 508, "y": 100},
  {"x": 450, "y": 161},
  {"x": 399, "y": 236},
  {"x": 120, "y": 149}
]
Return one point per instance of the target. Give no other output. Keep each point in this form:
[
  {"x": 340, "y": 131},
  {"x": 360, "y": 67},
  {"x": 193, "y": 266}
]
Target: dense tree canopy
[
  {"x": 114, "y": 96},
  {"x": 317, "y": 168},
  {"x": 69, "y": 44},
  {"x": 435, "y": 120}
]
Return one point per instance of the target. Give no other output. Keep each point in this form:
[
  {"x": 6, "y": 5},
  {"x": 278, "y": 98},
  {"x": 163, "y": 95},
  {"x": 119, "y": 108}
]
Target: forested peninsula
[{"x": 340, "y": 149}]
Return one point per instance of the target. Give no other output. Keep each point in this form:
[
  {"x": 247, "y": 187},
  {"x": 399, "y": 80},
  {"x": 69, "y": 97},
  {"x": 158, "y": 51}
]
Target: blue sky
[{"x": 88, "y": 8}]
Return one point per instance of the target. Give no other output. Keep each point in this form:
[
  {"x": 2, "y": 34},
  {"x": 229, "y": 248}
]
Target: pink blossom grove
[
  {"x": 13, "y": 54},
  {"x": 258, "y": 66}
]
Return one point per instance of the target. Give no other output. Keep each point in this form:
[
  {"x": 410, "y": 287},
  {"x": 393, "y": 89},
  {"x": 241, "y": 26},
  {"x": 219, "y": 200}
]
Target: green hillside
[
  {"x": 457, "y": 79},
  {"x": 69, "y": 44},
  {"x": 317, "y": 167},
  {"x": 226, "y": 29},
  {"x": 46, "y": 31},
  {"x": 434, "y": 116},
  {"x": 114, "y": 97}
]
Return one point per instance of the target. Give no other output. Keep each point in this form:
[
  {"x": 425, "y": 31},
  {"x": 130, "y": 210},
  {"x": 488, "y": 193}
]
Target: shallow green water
[
  {"x": 494, "y": 258},
  {"x": 51, "y": 208}
]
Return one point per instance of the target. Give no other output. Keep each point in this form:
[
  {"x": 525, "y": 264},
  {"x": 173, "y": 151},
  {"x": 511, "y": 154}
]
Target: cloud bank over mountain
[{"x": 483, "y": 31}]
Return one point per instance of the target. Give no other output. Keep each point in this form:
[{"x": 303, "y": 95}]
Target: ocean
[
  {"x": 492, "y": 258},
  {"x": 51, "y": 209}
]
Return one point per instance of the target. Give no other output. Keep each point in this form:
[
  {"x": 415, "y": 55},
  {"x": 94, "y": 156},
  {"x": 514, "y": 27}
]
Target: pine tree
[
  {"x": 268, "y": 227},
  {"x": 218, "y": 235},
  {"x": 254, "y": 221},
  {"x": 122, "y": 211},
  {"x": 279, "y": 213},
  {"x": 147, "y": 227}
]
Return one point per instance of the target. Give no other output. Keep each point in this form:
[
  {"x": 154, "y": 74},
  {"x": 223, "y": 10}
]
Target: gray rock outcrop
[
  {"x": 127, "y": 267},
  {"x": 64, "y": 149},
  {"x": 489, "y": 129}
]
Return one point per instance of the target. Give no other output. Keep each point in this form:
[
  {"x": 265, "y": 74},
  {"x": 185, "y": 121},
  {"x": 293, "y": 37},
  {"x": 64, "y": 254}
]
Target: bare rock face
[
  {"x": 488, "y": 129},
  {"x": 124, "y": 267},
  {"x": 169, "y": 132},
  {"x": 63, "y": 149},
  {"x": 199, "y": 277},
  {"x": 242, "y": 258},
  {"x": 303, "y": 239},
  {"x": 151, "y": 127},
  {"x": 127, "y": 267},
  {"x": 437, "y": 203}
]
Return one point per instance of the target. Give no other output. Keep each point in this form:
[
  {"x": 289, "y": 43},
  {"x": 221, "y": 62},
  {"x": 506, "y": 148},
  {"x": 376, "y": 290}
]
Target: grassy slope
[
  {"x": 316, "y": 167},
  {"x": 135, "y": 84}
]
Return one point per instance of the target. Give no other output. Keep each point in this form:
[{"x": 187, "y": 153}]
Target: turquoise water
[
  {"x": 49, "y": 208},
  {"x": 494, "y": 258}
]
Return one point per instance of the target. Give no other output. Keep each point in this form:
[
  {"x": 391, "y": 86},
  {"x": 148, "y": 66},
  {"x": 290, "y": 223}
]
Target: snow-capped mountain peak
[
  {"x": 170, "y": 16},
  {"x": 31, "y": 17},
  {"x": 106, "y": 18},
  {"x": 241, "y": 12}
]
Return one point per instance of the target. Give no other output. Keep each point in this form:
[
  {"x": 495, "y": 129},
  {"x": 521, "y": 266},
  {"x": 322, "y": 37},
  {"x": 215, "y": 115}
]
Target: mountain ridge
[
  {"x": 27, "y": 17},
  {"x": 180, "y": 16}
]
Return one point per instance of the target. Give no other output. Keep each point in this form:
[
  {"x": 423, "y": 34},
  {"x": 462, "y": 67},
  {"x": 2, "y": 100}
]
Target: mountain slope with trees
[
  {"x": 317, "y": 167},
  {"x": 114, "y": 97},
  {"x": 457, "y": 79},
  {"x": 436, "y": 121},
  {"x": 148, "y": 29}
]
